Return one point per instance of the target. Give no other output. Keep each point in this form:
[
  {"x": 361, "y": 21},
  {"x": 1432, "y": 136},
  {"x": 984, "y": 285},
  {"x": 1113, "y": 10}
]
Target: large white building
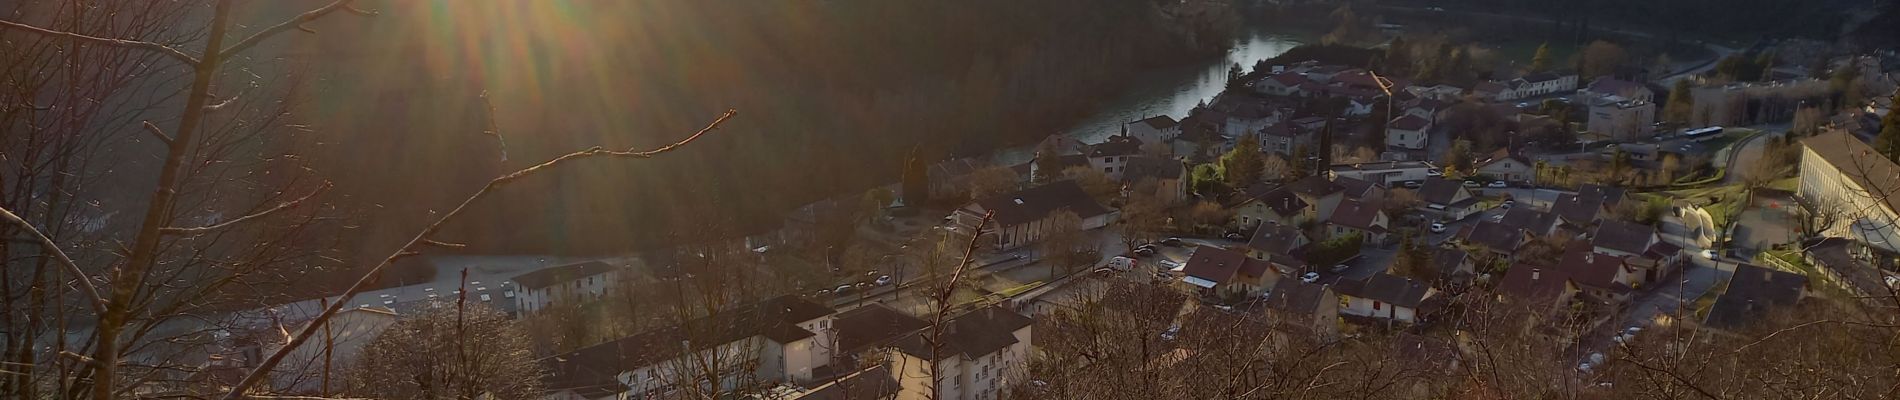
[
  {"x": 573, "y": 282},
  {"x": 1847, "y": 180},
  {"x": 782, "y": 339},
  {"x": 983, "y": 354},
  {"x": 1025, "y": 216}
]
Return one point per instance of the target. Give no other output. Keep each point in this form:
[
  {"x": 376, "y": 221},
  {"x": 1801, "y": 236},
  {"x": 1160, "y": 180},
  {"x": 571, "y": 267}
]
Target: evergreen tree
[
  {"x": 1397, "y": 61},
  {"x": 1889, "y": 140},
  {"x": 916, "y": 179},
  {"x": 1243, "y": 166},
  {"x": 1233, "y": 76},
  {"x": 1048, "y": 163},
  {"x": 1681, "y": 104},
  {"x": 1540, "y": 60}
]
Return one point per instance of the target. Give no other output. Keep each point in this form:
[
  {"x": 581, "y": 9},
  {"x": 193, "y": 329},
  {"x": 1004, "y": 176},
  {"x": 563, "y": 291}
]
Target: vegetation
[
  {"x": 448, "y": 351},
  {"x": 1244, "y": 165}
]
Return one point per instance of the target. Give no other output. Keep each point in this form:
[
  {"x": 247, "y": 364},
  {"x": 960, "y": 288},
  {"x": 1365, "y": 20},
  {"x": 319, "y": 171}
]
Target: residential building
[
  {"x": 780, "y": 339},
  {"x": 1492, "y": 91},
  {"x": 1441, "y": 92},
  {"x": 1448, "y": 199},
  {"x": 1271, "y": 241},
  {"x": 1023, "y": 217},
  {"x": 1497, "y": 240},
  {"x": 1384, "y": 296},
  {"x": 1752, "y": 292},
  {"x": 1536, "y": 223},
  {"x": 980, "y": 355},
  {"x": 1275, "y": 206},
  {"x": 1531, "y": 283},
  {"x": 866, "y": 329},
  {"x": 1310, "y": 307},
  {"x": 1452, "y": 267},
  {"x": 1281, "y": 84},
  {"x": 1160, "y": 128},
  {"x": 1111, "y": 156},
  {"x": 1605, "y": 86},
  {"x": 1504, "y": 165},
  {"x": 1590, "y": 203},
  {"x": 1311, "y": 124},
  {"x": 1320, "y": 193},
  {"x": 1602, "y": 277},
  {"x": 950, "y": 179},
  {"x": 1408, "y": 132},
  {"x": 1542, "y": 83},
  {"x": 1245, "y": 118},
  {"x": 1644, "y": 252},
  {"x": 1217, "y": 272},
  {"x": 873, "y": 383},
  {"x": 573, "y": 282},
  {"x": 1387, "y": 173},
  {"x": 1284, "y": 139},
  {"x": 1838, "y": 173},
  {"x": 1427, "y": 108},
  {"x": 1169, "y": 176},
  {"x": 1621, "y": 119},
  {"x": 1354, "y": 217}
]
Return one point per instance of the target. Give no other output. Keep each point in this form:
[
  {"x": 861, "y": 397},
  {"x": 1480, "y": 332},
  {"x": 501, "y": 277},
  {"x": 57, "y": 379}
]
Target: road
[{"x": 1750, "y": 150}]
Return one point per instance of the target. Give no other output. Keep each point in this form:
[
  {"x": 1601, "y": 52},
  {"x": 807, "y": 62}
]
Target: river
[{"x": 1168, "y": 91}]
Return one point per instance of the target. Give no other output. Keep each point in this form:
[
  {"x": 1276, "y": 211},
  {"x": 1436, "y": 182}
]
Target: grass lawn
[
  {"x": 1788, "y": 184},
  {"x": 1729, "y": 200}
]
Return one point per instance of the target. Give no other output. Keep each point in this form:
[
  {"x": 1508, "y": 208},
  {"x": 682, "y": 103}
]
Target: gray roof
[
  {"x": 972, "y": 335},
  {"x": 1751, "y": 292},
  {"x": 870, "y": 326},
  {"x": 1039, "y": 202},
  {"x": 1403, "y": 292},
  {"x": 1440, "y": 190},
  {"x": 1159, "y": 122},
  {"x": 1624, "y": 236},
  {"x": 1532, "y": 282},
  {"x": 555, "y": 275},
  {"x": 1219, "y": 265},
  {"x": 1274, "y": 239},
  {"x": 1525, "y": 218},
  {"x": 1494, "y": 236},
  {"x": 1576, "y": 209},
  {"x": 1117, "y": 145},
  {"x": 1139, "y": 168},
  {"x": 1294, "y": 296},
  {"x": 775, "y": 318},
  {"x": 1859, "y": 162}
]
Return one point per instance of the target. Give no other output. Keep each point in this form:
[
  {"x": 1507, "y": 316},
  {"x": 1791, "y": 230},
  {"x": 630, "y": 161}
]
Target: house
[
  {"x": 1605, "y": 86},
  {"x": 1498, "y": 239},
  {"x": 1590, "y": 203},
  {"x": 1284, "y": 138},
  {"x": 1536, "y": 223},
  {"x": 573, "y": 282},
  {"x": 1643, "y": 249},
  {"x": 980, "y": 355},
  {"x": 1354, "y": 217},
  {"x": 1310, "y": 124},
  {"x": 1320, "y": 193},
  {"x": 1111, "y": 156},
  {"x": 1281, "y": 84},
  {"x": 1245, "y": 118},
  {"x": 1270, "y": 240},
  {"x": 872, "y": 383},
  {"x": 1602, "y": 277},
  {"x": 865, "y": 329},
  {"x": 1506, "y": 166},
  {"x": 1361, "y": 104},
  {"x": 1542, "y": 83},
  {"x": 1386, "y": 173},
  {"x": 1023, "y": 217},
  {"x": 1453, "y": 267},
  {"x": 1217, "y": 272},
  {"x": 1275, "y": 206},
  {"x": 1840, "y": 172},
  {"x": 1448, "y": 199},
  {"x": 781, "y": 339},
  {"x": 1752, "y": 292},
  {"x": 951, "y": 178},
  {"x": 1311, "y": 307},
  {"x": 1427, "y": 108},
  {"x": 1441, "y": 91},
  {"x": 1032, "y": 169},
  {"x": 1384, "y": 296},
  {"x": 1168, "y": 175},
  {"x": 1493, "y": 91},
  {"x": 1360, "y": 189},
  {"x": 1408, "y": 132},
  {"x": 1621, "y": 119},
  {"x": 1159, "y": 128},
  {"x": 1531, "y": 283}
]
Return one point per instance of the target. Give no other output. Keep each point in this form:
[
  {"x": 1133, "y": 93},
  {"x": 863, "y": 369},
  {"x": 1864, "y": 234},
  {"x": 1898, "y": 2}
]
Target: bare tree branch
[
  {"x": 311, "y": 328},
  {"x": 160, "y": 133},
  {"x": 260, "y": 214},
  {"x": 293, "y": 23},
  {"x": 97, "y": 303},
  {"x": 135, "y": 44}
]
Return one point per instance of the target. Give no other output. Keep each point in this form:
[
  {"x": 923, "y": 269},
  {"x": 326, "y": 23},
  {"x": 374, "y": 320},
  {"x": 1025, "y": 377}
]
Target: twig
[
  {"x": 409, "y": 248},
  {"x": 293, "y": 23},
  {"x": 47, "y": 245},
  {"x": 438, "y": 243},
  {"x": 943, "y": 300},
  {"x": 160, "y": 133},
  {"x": 132, "y": 44},
  {"x": 260, "y": 214}
]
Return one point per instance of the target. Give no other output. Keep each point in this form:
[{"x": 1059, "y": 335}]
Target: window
[
  {"x": 1108, "y": 170},
  {"x": 1375, "y": 305}
]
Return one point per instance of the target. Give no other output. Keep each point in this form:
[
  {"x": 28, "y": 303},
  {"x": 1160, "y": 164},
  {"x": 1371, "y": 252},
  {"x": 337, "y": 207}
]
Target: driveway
[
  {"x": 1669, "y": 296},
  {"x": 1767, "y": 222}
]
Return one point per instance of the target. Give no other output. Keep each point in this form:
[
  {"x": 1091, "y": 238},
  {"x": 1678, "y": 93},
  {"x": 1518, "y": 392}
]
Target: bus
[{"x": 1701, "y": 134}]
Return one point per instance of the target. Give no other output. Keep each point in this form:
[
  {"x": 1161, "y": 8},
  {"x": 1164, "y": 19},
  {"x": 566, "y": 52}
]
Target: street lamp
[{"x": 1385, "y": 85}]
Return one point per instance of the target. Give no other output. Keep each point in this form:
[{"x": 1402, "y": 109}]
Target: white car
[
  {"x": 1499, "y": 184},
  {"x": 1710, "y": 254},
  {"x": 1434, "y": 172},
  {"x": 1309, "y": 277},
  {"x": 884, "y": 280},
  {"x": 1438, "y": 227},
  {"x": 1121, "y": 263}
]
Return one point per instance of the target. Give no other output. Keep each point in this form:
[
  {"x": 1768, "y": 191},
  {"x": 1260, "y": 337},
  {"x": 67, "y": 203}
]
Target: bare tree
[
  {"x": 448, "y": 352},
  {"x": 993, "y": 181}
]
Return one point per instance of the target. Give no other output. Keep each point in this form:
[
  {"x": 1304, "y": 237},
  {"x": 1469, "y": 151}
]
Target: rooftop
[
  {"x": 1751, "y": 292},
  {"x": 1039, "y": 202},
  {"x": 555, "y": 275}
]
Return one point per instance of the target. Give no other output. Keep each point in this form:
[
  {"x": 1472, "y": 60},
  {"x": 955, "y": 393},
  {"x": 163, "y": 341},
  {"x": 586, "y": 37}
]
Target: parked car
[
  {"x": 1309, "y": 277},
  {"x": 1499, "y": 184},
  {"x": 1508, "y": 203},
  {"x": 1341, "y": 268},
  {"x": 1473, "y": 184},
  {"x": 1144, "y": 251},
  {"x": 843, "y": 289},
  {"x": 1438, "y": 227},
  {"x": 1121, "y": 263},
  {"x": 1434, "y": 172},
  {"x": 1171, "y": 242},
  {"x": 1169, "y": 265},
  {"x": 1413, "y": 184},
  {"x": 1497, "y": 218},
  {"x": 1710, "y": 254},
  {"x": 1104, "y": 271},
  {"x": 884, "y": 280},
  {"x": 1235, "y": 236}
]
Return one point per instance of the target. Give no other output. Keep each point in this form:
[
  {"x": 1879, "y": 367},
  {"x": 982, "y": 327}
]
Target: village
[{"x": 1319, "y": 202}]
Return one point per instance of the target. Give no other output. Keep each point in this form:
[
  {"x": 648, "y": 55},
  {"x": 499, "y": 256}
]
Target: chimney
[{"x": 1536, "y": 272}]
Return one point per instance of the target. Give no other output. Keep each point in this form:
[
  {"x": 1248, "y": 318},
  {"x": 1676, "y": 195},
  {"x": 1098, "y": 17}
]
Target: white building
[
  {"x": 1542, "y": 83},
  {"x": 1384, "y": 296},
  {"x": 1620, "y": 119},
  {"x": 573, "y": 282},
  {"x": 782, "y": 339},
  {"x": 1154, "y": 129},
  {"x": 1408, "y": 132},
  {"x": 1389, "y": 173},
  {"x": 1842, "y": 175},
  {"x": 1024, "y": 216},
  {"x": 983, "y": 354}
]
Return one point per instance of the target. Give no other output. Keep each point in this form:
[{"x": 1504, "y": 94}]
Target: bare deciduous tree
[{"x": 446, "y": 352}]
